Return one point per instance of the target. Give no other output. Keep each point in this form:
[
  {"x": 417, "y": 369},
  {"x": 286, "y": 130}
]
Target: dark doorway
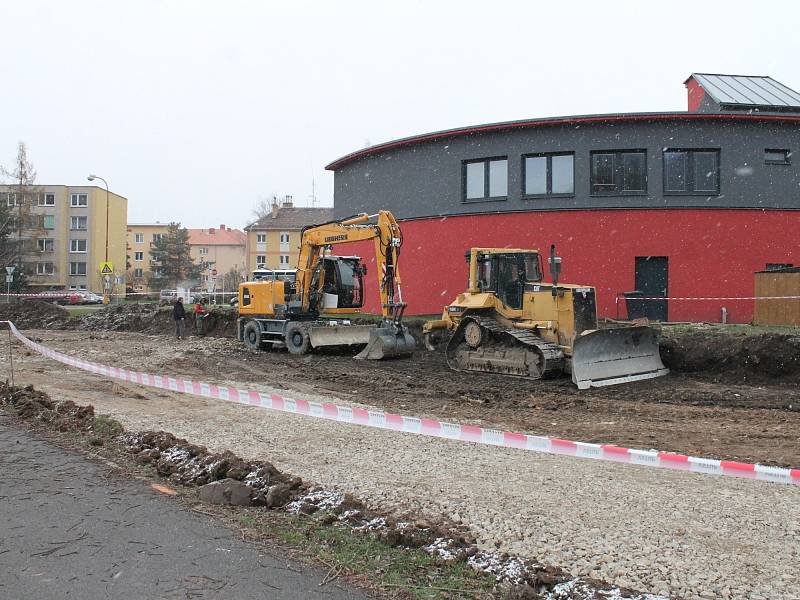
[{"x": 652, "y": 275}]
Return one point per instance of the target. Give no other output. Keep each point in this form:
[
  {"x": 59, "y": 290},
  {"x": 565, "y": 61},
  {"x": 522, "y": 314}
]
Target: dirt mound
[
  {"x": 126, "y": 317},
  {"x": 722, "y": 356},
  {"x": 150, "y": 318},
  {"x": 34, "y": 314},
  {"x": 29, "y": 403}
]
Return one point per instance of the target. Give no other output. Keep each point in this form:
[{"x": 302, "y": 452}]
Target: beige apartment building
[
  {"x": 214, "y": 249},
  {"x": 140, "y": 239},
  {"x": 217, "y": 251},
  {"x": 69, "y": 232},
  {"x": 273, "y": 242}
]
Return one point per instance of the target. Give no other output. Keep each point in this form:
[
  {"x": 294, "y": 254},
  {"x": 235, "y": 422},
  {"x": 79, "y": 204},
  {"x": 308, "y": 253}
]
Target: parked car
[{"x": 167, "y": 296}]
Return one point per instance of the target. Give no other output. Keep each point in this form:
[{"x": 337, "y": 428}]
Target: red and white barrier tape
[
  {"x": 430, "y": 427},
  {"x": 709, "y": 298}
]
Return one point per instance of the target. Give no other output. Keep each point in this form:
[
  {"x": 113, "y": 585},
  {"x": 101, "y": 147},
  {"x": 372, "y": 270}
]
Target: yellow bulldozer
[
  {"x": 316, "y": 308},
  {"x": 511, "y": 322}
]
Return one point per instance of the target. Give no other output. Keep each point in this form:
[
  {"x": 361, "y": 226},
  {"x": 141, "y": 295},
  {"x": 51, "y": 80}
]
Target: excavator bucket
[
  {"x": 611, "y": 356},
  {"x": 388, "y": 340}
]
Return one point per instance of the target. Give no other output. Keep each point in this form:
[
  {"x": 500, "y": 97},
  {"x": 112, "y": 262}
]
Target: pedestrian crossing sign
[{"x": 106, "y": 268}]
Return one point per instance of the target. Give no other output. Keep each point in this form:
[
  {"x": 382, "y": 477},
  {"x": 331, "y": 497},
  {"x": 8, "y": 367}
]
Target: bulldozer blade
[
  {"x": 386, "y": 342},
  {"x": 340, "y": 335},
  {"x": 612, "y": 356}
]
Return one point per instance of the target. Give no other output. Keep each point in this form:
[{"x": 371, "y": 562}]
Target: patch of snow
[
  {"x": 176, "y": 454},
  {"x": 509, "y": 569},
  {"x": 442, "y": 548},
  {"x": 322, "y": 499}
]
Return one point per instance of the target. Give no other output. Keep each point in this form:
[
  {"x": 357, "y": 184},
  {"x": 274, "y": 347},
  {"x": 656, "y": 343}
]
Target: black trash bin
[{"x": 635, "y": 306}]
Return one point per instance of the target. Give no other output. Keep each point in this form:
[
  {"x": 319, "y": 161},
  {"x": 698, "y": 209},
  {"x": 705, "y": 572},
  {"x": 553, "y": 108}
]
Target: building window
[
  {"x": 284, "y": 260},
  {"x": 13, "y": 199},
  {"x": 261, "y": 238},
  {"x": 777, "y": 157},
  {"x": 77, "y": 245},
  {"x": 138, "y": 272},
  {"x": 48, "y": 221},
  {"x": 157, "y": 236},
  {"x": 549, "y": 174},
  {"x": 691, "y": 171},
  {"x": 77, "y": 223},
  {"x": 44, "y": 268},
  {"x": 45, "y": 244},
  {"x": 619, "y": 172},
  {"x": 284, "y": 238},
  {"x": 261, "y": 260},
  {"x": 78, "y": 200},
  {"x": 203, "y": 251},
  {"x": 139, "y": 238},
  {"x": 485, "y": 179},
  {"x": 138, "y": 256},
  {"x": 77, "y": 268},
  {"x": 47, "y": 200}
]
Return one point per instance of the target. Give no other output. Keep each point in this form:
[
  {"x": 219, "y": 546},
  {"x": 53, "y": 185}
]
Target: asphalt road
[{"x": 68, "y": 530}]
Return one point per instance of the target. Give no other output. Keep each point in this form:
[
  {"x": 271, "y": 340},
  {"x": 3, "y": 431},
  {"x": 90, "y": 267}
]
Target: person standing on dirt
[
  {"x": 179, "y": 315},
  {"x": 200, "y": 316}
]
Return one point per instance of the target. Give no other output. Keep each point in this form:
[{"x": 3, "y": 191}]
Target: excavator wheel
[
  {"x": 252, "y": 335},
  {"x": 297, "y": 340}
]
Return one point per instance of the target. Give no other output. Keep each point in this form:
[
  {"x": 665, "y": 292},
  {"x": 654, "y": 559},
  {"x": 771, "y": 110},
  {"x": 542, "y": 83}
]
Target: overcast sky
[{"x": 195, "y": 110}]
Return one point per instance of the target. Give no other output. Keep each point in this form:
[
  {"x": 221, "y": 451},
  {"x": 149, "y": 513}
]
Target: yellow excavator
[
  {"x": 511, "y": 322},
  {"x": 315, "y": 310}
]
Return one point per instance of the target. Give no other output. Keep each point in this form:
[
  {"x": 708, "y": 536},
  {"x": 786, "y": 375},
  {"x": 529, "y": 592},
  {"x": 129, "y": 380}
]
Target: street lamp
[{"x": 92, "y": 178}]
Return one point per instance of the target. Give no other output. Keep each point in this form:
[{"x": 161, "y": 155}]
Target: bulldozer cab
[{"x": 507, "y": 273}]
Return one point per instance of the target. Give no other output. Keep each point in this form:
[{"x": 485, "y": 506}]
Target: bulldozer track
[{"x": 498, "y": 356}]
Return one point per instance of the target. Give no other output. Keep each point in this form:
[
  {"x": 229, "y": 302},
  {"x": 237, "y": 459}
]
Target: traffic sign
[
  {"x": 9, "y": 279},
  {"x": 106, "y": 268},
  {"x": 214, "y": 272},
  {"x": 10, "y": 270}
]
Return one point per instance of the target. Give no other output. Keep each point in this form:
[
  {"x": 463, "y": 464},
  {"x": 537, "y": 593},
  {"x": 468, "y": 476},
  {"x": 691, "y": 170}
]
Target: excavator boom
[{"x": 289, "y": 313}]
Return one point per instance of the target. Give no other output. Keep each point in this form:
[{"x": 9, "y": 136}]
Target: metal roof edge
[{"x": 544, "y": 121}]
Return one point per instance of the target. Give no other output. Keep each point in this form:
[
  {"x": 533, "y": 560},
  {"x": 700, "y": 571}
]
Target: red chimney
[
  {"x": 222, "y": 227},
  {"x": 211, "y": 230},
  {"x": 695, "y": 94}
]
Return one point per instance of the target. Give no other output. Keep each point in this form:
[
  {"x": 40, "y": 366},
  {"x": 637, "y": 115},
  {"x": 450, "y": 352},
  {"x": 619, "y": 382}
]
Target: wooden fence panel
[{"x": 777, "y": 312}]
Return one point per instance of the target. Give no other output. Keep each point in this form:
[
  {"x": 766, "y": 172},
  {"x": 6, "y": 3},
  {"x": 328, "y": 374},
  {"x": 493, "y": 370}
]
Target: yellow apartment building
[
  {"x": 273, "y": 242},
  {"x": 69, "y": 231},
  {"x": 217, "y": 251},
  {"x": 140, "y": 239}
]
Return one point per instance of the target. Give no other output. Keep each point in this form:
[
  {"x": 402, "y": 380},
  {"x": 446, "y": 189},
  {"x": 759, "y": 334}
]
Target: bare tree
[
  {"x": 264, "y": 206},
  {"x": 232, "y": 279},
  {"x": 17, "y": 226}
]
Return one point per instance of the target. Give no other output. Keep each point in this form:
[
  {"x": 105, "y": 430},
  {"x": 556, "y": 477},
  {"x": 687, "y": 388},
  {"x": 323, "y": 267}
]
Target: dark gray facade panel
[{"x": 425, "y": 179}]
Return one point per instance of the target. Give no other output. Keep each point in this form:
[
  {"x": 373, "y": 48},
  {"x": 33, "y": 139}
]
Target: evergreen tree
[{"x": 172, "y": 261}]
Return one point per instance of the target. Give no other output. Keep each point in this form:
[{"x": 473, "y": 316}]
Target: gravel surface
[{"x": 665, "y": 532}]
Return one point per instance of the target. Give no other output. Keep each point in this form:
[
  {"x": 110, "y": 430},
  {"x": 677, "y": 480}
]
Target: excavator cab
[{"x": 342, "y": 283}]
